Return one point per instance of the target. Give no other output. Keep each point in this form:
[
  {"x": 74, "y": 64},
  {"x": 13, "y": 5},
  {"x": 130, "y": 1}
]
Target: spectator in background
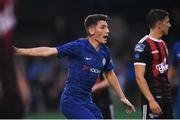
[
  {"x": 11, "y": 105},
  {"x": 102, "y": 98},
  {"x": 175, "y": 70}
]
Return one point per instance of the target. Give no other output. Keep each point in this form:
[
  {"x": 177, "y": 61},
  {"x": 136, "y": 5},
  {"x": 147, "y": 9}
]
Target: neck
[
  {"x": 155, "y": 34},
  {"x": 94, "y": 43}
]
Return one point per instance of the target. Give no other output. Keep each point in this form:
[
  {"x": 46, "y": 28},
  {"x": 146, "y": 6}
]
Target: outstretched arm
[
  {"x": 36, "y": 52},
  {"x": 154, "y": 106},
  {"x": 112, "y": 79}
]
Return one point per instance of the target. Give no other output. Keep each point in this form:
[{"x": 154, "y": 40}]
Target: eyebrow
[{"x": 104, "y": 25}]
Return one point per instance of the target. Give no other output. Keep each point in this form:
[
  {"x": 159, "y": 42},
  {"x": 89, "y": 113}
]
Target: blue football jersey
[
  {"x": 176, "y": 56},
  {"x": 176, "y": 63},
  {"x": 85, "y": 65}
]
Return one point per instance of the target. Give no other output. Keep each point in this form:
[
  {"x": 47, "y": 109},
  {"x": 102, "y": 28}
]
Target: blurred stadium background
[{"x": 55, "y": 22}]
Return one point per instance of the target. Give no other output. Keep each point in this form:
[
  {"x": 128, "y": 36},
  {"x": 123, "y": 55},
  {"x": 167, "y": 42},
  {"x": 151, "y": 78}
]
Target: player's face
[
  {"x": 100, "y": 32},
  {"x": 164, "y": 26}
]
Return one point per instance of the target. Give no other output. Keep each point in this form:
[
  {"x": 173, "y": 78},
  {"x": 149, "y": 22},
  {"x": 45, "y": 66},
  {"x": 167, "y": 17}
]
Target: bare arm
[
  {"x": 112, "y": 79},
  {"x": 139, "y": 71},
  {"x": 101, "y": 85},
  {"x": 36, "y": 52}
]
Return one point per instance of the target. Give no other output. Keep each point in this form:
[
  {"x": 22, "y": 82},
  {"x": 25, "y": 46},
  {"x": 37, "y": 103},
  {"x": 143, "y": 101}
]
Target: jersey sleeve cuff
[{"x": 139, "y": 63}]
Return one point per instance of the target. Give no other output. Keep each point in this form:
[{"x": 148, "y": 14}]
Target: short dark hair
[
  {"x": 93, "y": 19},
  {"x": 156, "y": 15}
]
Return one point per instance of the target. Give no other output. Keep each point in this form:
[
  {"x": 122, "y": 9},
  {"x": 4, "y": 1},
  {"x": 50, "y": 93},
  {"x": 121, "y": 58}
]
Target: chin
[
  {"x": 166, "y": 33},
  {"x": 104, "y": 42}
]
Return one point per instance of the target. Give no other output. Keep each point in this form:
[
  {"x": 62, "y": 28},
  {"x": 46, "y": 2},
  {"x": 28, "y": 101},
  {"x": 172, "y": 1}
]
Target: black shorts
[{"x": 165, "y": 107}]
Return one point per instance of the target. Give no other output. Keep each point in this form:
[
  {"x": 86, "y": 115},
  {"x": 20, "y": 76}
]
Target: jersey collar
[
  {"x": 154, "y": 39},
  {"x": 91, "y": 48}
]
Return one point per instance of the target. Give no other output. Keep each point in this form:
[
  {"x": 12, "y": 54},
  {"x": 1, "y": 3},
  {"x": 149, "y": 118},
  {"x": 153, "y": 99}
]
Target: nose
[
  {"x": 169, "y": 24},
  {"x": 107, "y": 30}
]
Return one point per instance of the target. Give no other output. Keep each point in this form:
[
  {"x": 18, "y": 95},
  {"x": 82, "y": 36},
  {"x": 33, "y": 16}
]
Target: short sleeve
[
  {"x": 140, "y": 53},
  {"x": 70, "y": 49},
  {"x": 109, "y": 62}
]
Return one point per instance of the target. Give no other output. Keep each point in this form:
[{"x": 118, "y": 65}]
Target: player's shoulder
[
  {"x": 105, "y": 48},
  {"x": 143, "y": 40},
  {"x": 80, "y": 41},
  {"x": 141, "y": 44}
]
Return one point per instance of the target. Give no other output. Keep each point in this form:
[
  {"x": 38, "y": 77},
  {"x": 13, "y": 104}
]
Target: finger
[
  {"x": 128, "y": 110},
  {"x": 154, "y": 111},
  {"x": 159, "y": 111},
  {"x": 133, "y": 108}
]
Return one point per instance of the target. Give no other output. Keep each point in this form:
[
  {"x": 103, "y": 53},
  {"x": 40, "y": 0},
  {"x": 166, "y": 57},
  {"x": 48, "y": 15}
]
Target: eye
[{"x": 102, "y": 27}]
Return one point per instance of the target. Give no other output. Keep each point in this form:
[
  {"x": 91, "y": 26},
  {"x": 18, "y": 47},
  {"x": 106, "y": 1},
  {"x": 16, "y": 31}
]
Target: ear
[
  {"x": 158, "y": 24},
  {"x": 91, "y": 30}
]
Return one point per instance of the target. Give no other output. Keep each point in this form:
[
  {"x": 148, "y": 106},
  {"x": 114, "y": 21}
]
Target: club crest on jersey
[
  {"x": 103, "y": 61},
  {"x": 137, "y": 56},
  {"x": 139, "y": 47}
]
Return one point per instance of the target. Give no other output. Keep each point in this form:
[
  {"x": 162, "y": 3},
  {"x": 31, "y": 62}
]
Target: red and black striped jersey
[{"x": 153, "y": 54}]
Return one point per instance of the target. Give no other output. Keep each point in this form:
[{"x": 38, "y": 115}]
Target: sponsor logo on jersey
[
  {"x": 162, "y": 67},
  {"x": 151, "y": 115},
  {"x": 155, "y": 51},
  {"x": 93, "y": 70},
  {"x": 139, "y": 47}
]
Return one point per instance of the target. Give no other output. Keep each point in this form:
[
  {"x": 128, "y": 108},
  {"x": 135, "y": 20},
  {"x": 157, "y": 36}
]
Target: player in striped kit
[{"x": 151, "y": 67}]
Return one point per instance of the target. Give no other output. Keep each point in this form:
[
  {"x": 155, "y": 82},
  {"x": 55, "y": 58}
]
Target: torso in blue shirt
[
  {"x": 176, "y": 63},
  {"x": 85, "y": 65},
  {"x": 176, "y": 56}
]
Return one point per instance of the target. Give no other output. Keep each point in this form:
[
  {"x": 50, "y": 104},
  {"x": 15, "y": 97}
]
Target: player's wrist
[
  {"x": 151, "y": 100},
  {"x": 122, "y": 97}
]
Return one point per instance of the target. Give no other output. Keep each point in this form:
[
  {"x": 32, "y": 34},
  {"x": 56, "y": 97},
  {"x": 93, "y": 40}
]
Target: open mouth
[{"x": 106, "y": 36}]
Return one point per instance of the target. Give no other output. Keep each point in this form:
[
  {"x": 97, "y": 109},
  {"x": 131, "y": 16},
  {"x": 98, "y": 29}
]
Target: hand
[
  {"x": 130, "y": 108},
  {"x": 155, "y": 108},
  {"x": 93, "y": 88},
  {"x": 15, "y": 50}
]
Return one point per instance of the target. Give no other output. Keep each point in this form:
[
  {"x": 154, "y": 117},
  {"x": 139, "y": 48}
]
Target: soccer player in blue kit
[
  {"x": 88, "y": 58},
  {"x": 174, "y": 70}
]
